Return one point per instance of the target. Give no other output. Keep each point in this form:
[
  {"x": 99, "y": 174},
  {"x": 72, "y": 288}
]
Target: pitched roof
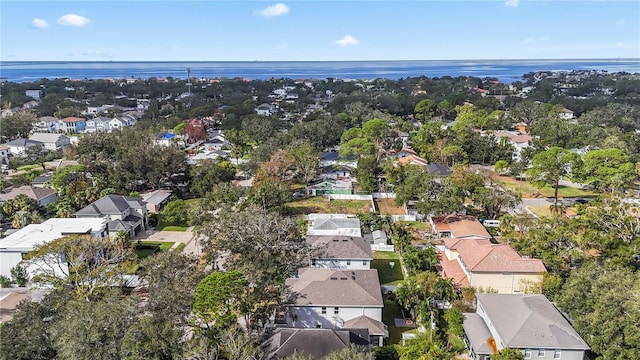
[
  {"x": 46, "y": 137},
  {"x": 478, "y": 256},
  {"x": 111, "y": 204},
  {"x": 334, "y": 224},
  {"x": 340, "y": 247},
  {"x": 451, "y": 269},
  {"x": 314, "y": 343},
  {"x": 513, "y": 137},
  {"x": 477, "y": 332},
  {"x": 32, "y": 192},
  {"x": 461, "y": 226},
  {"x": 333, "y": 287},
  {"x": 71, "y": 119},
  {"x": 413, "y": 160},
  {"x": 22, "y": 142},
  {"x": 374, "y": 326},
  {"x": 439, "y": 169},
  {"x": 156, "y": 197},
  {"x": 529, "y": 321}
]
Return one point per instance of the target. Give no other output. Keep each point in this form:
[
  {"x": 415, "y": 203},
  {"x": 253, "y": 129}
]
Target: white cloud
[
  {"x": 73, "y": 20},
  {"x": 39, "y": 23},
  {"x": 275, "y": 10},
  {"x": 347, "y": 40},
  {"x": 512, "y": 3}
]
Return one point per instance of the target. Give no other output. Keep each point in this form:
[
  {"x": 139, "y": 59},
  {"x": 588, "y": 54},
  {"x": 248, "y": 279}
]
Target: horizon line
[{"x": 290, "y": 61}]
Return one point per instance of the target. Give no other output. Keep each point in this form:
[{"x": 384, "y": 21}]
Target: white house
[
  {"x": 116, "y": 124},
  {"x": 33, "y": 93},
  {"x": 15, "y": 247},
  {"x": 517, "y": 140},
  {"x": 47, "y": 124},
  {"x": 265, "y": 109},
  {"x": 18, "y": 146},
  {"x": 51, "y": 141},
  {"x": 529, "y": 323},
  {"x": 331, "y": 298},
  {"x": 333, "y": 224},
  {"x": 126, "y": 213},
  {"x": 99, "y": 124},
  {"x": 4, "y": 154},
  {"x": 565, "y": 114},
  {"x": 340, "y": 252}
]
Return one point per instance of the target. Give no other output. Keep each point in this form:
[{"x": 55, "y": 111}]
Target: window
[
  {"x": 324, "y": 310},
  {"x": 336, "y": 310},
  {"x": 318, "y": 326},
  {"x": 557, "y": 354},
  {"x": 313, "y": 262},
  {"x": 527, "y": 354},
  {"x": 348, "y": 262},
  {"x": 364, "y": 262},
  {"x": 541, "y": 353}
]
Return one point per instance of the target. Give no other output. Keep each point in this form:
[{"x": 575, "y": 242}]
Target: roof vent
[
  {"x": 343, "y": 278},
  {"x": 344, "y": 240},
  {"x": 333, "y": 278}
]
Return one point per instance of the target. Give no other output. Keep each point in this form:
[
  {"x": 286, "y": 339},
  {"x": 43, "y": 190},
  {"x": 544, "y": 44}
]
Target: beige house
[
  {"x": 458, "y": 226},
  {"x": 479, "y": 263}
]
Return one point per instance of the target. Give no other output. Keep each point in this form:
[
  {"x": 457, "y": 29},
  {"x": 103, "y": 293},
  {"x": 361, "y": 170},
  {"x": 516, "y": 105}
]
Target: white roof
[
  {"x": 31, "y": 235},
  {"x": 46, "y": 137}
]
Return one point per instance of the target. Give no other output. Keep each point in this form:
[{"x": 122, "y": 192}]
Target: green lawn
[
  {"x": 386, "y": 255},
  {"x": 143, "y": 253},
  {"x": 388, "y": 275},
  {"x": 163, "y": 227},
  {"x": 391, "y": 311},
  {"x": 319, "y": 204},
  {"x": 527, "y": 189}
]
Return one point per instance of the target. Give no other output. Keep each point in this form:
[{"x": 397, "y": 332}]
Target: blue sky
[{"x": 317, "y": 30}]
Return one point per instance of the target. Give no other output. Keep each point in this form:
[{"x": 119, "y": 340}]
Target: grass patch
[
  {"x": 386, "y": 255},
  {"x": 388, "y": 275},
  {"x": 527, "y": 189},
  {"x": 164, "y": 245},
  {"x": 387, "y": 207},
  {"x": 180, "y": 247},
  {"x": 163, "y": 227},
  {"x": 28, "y": 167},
  {"x": 391, "y": 311},
  {"x": 319, "y": 204},
  {"x": 542, "y": 211}
]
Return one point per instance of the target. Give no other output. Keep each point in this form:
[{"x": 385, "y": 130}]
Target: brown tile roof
[
  {"x": 332, "y": 287},
  {"x": 413, "y": 159},
  {"x": 481, "y": 257},
  {"x": 461, "y": 226},
  {"x": 514, "y": 138},
  {"x": 32, "y": 192},
  {"x": 340, "y": 247},
  {"x": 453, "y": 243},
  {"x": 374, "y": 326},
  {"x": 451, "y": 269}
]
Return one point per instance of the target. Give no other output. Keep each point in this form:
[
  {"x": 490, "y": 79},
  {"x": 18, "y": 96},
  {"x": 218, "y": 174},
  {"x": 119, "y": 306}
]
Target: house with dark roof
[
  {"x": 156, "y": 200},
  {"x": 529, "y": 323},
  {"x": 312, "y": 343},
  {"x": 479, "y": 263},
  {"x": 337, "y": 298},
  {"x": 19, "y": 146},
  {"x": 339, "y": 252},
  {"x": 42, "y": 181},
  {"x": 125, "y": 213}
]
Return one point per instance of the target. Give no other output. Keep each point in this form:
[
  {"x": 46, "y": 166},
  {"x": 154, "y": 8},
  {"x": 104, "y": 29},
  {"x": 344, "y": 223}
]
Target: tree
[
  {"x": 176, "y": 213},
  {"x": 508, "y": 354},
  {"x": 306, "y": 161},
  {"x": 351, "y": 353},
  {"x": 218, "y": 298},
  {"x": 206, "y": 173},
  {"x": 17, "y": 125},
  {"x": 550, "y": 166},
  {"x": 19, "y": 275},
  {"x": 264, "y": 246},
  {"x": 20, "y": 203},
  {"x": 607, "y": 170},
  {"x": 425, "y": 109},
  {"x": 501, "y": 166},
  {"x": 367, "y": 173},
  {"x": 492, "y": 200},
  {"x": 93, "y": 264}
]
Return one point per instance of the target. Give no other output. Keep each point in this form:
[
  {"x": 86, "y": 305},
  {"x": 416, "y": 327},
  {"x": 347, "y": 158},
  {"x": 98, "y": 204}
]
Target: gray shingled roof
[
  {"x": 374, "y": 326},
  {"x": 340, "y": 247},
  {"x": 477, "y": 333},
  {"x": 111, "y": 204},
  {"x": 332, "y": 287},
  {"x": 314, "y": 343},
  {"x": 46, "y": 137},
  {"x": 334, "y": 224},
  {"x": 530, "y": 321}
]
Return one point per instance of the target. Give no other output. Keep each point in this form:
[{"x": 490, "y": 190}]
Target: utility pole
[{"x": 189, "y": 85}]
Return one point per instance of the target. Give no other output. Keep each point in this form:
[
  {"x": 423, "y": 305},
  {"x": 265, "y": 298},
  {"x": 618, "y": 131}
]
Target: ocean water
[{"x": 505, "y": 70}]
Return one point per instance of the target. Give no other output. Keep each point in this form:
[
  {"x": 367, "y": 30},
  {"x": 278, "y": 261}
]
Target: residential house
[
  {"x": 479, "y": 263},
  {"x": 51, "y": 141},
  {"x": 529, "y": 323},
  {"x": 116, "y": 124},
  {"x": 15, "y": 247},
  {"x": 339, "y": 252},
  {"x": 216, "y": 140},
  {"x": 33, "y": 93},
  {"x": 565, "y": 114},
  {"x": 265, "y": 109},
  {"x": 517, "y": 140},
  {"x": 156, "y": 200},
  {"x": 333, "y": 224},
  {"x": 458, "y": 226},
  {"x": 332, "y": 158},
  {"x": 332, "y": 298},
  {"x": 336, "y": 172},
  {"x": 74, "y": 124},
  {"x": 30, "y": 105},
  {"x": 166, "y": 139},
  {"x": 125, "y": 213},
  {"x": 17, "y": 147},
  {"x": 314, "y": 344},
  {"x": 47, "y": 124},
  {"x": 5, "y": 153},
  {"x": 330, "y": 186},
  {"x": 44, "y": 196},
  {"x": 42, "y": 181},
  {"x": 195, "y": 131},
  {"x": 99, "y": 124}
]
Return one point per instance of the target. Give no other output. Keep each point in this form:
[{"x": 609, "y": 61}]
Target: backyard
[
  {"x": 387, "y": 207},
  {"x": 390, "y": 312},
  {"x": 319, "y": 204},
  {"x": 389, "y": 275},
  {"x": 527, "y": 189},
  {"x": 144, "y": 249}
]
